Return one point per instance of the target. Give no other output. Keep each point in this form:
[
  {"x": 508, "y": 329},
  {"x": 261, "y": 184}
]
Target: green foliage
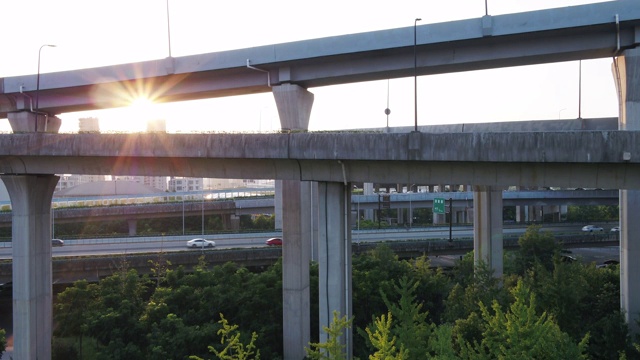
[
  {"x": 233, "y": 348},
  {"x": 535, "y": 247},
  {"x": 412, "y": 328},
  {"x": 521, "y": 334},
  {"x": 333, "y": 348},
  {"x": 373, "y": 273},
  {"x": 591, "y": 213},
  {"x": 583, "y": 299},
  {"x": 114, "y": 321},
  {"x": 472, "y": 289},
  {"x": 3, "y": 341},
  {"x": 264, "y": 222},
  {"x": 73, "y": 307},
  {"x": 385, "y": 347},
  {"x": 64, "y": 350},
  {"x": 429, "y": 314}
]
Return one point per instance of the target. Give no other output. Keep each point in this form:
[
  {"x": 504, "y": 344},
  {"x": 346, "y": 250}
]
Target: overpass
[
  {"x": 165, "y": 206},
  {"x": 316, "y": 169}
]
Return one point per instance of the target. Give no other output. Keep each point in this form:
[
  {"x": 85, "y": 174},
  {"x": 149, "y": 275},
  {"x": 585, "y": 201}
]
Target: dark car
[
  {"x": 274, "y": 242},
  {"x": 57, "y": 242}
]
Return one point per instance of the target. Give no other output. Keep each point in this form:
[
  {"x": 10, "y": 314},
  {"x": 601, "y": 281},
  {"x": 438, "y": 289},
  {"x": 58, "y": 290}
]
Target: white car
[
  {"x": 615, "y": 229},
  {"x": 591, "y": 228},
  {"x": 200, "y": 243}
]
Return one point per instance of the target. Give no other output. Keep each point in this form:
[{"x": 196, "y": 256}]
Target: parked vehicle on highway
[
  {"x": 615, "y": 229},
  {"x": 57, "y": 242},
  {"x": 200, "y": 243},
  {"x": 592, "y": 228},
  {"x": 274, "y": 242}
]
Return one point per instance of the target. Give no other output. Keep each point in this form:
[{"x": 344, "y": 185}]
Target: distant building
[
  {"x": 69, "y": 180},
  {"x": 91, "y": 125},
  {"x": 183, "y": 184},
  {"x": 214, "y": 184},
  {"x": 159, "y": 125},
  {"x": 157, "y": 182},
  {"x": 259, "y": 183}
]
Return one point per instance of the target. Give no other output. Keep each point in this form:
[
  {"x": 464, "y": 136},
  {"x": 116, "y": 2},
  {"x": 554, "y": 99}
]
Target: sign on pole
[{"x": 438, "y": 206}]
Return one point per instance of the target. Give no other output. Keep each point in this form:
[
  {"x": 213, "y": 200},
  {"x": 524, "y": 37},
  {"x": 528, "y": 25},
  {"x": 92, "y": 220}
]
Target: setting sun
[{"x": 132, "y": 118}]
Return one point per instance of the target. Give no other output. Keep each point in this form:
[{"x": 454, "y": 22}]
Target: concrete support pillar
[
  {"x": 32, "y": 292},
  {"x": 626, "y": 72},
  {"x": 296, "y": 256},
  {"x": 133, "y": 227},
  {"x": 277, "y": 204},
  {"x": 368, "y": 190},
  {"x": 487, "y": 228},
  {"x": 314, "y": 207},
  {"x": 335, "y": 257},
  {"x": 294, "y": 108},
  {"x": 234, "y": 222}
]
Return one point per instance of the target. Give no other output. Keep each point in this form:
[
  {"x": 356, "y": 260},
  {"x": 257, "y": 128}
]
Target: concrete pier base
[
  {"x": 32, "y": 290},
  {"x": 487, "y": 228}
]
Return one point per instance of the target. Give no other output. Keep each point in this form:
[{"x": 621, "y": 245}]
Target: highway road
[{"x": 129, "y": 245}]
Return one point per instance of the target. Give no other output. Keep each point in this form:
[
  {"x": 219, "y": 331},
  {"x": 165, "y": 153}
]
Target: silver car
[{"x": 592, "y": 228}]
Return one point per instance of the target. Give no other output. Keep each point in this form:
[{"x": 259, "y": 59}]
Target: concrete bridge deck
[
  {"x": 586, "y": 159},
  {"x": 564, "y": 34}
]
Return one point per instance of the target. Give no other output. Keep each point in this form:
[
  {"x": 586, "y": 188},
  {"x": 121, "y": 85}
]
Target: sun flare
[{"x": 132, "y": 118}]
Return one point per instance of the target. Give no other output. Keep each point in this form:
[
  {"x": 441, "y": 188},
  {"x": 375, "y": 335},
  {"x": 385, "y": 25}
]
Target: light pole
[
  {"x": 203, "y": 213},
  {"x": 387, "y": 111},
  {"x": 580, "y": 90},
  {"x": 415, "y": 74},
  {"x": 182, "y": 214},
  {"x": 38, "y": 81}
]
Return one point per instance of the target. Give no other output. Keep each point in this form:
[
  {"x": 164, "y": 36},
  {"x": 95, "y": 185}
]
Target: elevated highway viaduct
[
  {"x": 231, "y": 209},
  {"x": 316, "y": 169}
]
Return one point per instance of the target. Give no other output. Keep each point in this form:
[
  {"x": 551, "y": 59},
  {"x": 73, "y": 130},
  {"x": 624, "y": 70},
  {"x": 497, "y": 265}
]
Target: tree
[
  {"x": 3, "y": 341},
  {"x": 386, "y": 347},
  {"x": 332, "y": 349},
  {"x": 72, "y": 309},
  {"x": 473, "y": 288},
  {"x": 115, "y": 321},
  {"x": 535, "y": 247},
  {"x": 521, "y": 334},
  {"x": 233, "y": 348},
  {"x": 411, "y": 327}
]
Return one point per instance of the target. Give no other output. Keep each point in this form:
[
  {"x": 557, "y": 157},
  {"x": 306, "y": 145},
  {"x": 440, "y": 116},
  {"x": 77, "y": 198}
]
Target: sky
[{"x": 92, "y": 33}]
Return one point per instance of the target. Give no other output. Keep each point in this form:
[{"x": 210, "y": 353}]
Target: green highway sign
[{"x": 438, "y": 206}]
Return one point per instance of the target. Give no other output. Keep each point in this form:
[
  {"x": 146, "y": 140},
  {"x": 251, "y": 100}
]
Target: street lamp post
[
  {"x": 38, "y": 81},
  {"x": 182, "y": 214},
  {"x": 202, "y": 213},
  {"x": 415, "y": 74}
]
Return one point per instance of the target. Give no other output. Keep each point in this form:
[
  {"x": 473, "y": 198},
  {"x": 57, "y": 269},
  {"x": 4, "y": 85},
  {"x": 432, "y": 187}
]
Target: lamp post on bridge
[
  {"x": 38, "y": 82},
  {"x": 415, "y": 74}
]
